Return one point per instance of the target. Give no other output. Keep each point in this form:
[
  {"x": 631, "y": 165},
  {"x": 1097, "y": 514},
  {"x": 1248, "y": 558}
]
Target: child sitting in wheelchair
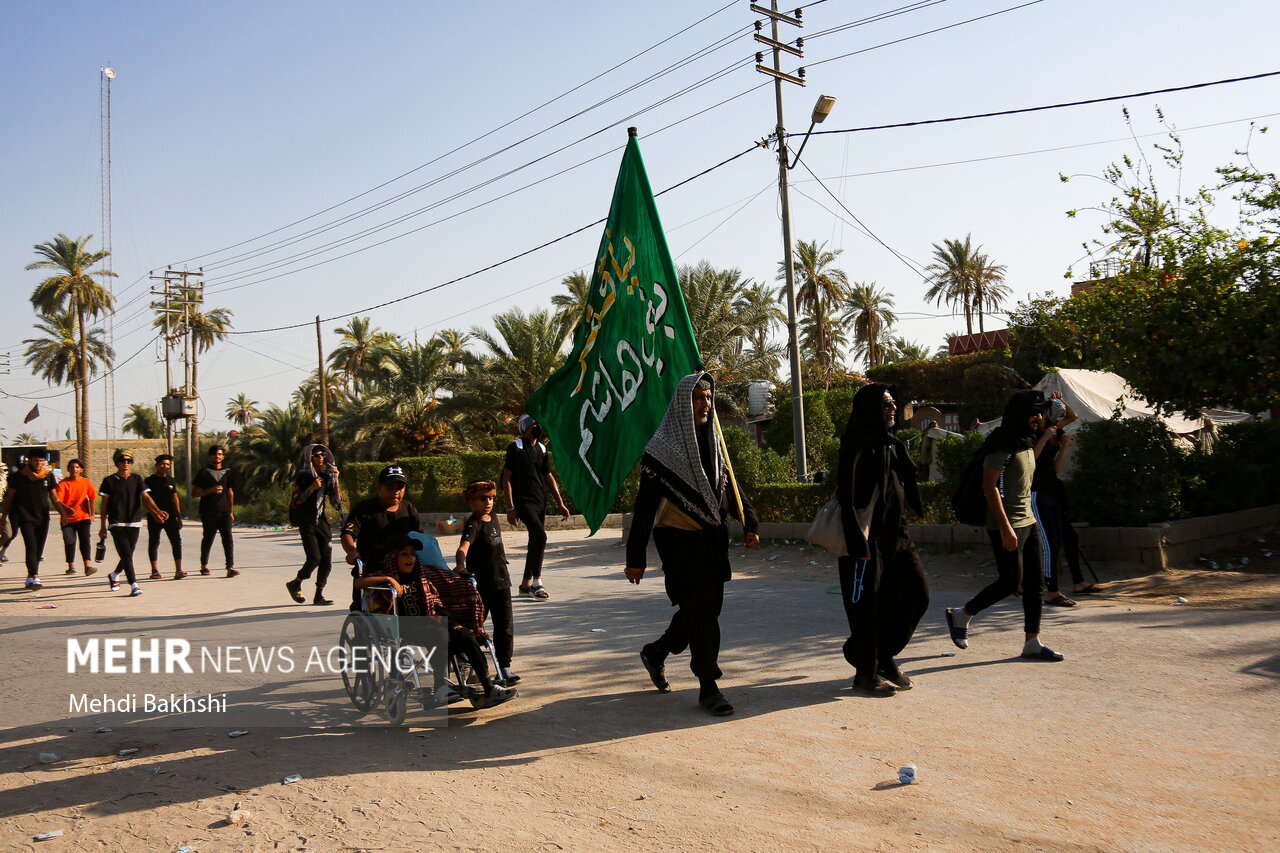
[{"x": 430, "y": 595}]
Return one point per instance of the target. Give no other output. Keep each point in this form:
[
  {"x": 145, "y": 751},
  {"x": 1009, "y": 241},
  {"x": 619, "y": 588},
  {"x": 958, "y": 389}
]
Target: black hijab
[
  {"x": 1014, "y": 432},
  {"x": 870, "y": 456}
]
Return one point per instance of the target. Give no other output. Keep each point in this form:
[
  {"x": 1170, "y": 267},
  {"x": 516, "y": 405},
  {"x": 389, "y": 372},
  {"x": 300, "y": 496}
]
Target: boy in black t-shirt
[
  {"x": 215, "y": 485},
  {"x": 481, "y": 555},
  {"x": 164, "y": 491}
]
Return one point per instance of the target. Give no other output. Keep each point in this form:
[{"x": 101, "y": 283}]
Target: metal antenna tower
[{"x": 105, "y": 75}]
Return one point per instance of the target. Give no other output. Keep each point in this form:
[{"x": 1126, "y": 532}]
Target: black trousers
[
  {"x": 423, "y": 632},
  {"x": 77, "y": 531},
  {"x": 534, "y": 518},
  {"x": 172, "y": 527},
  {"x": 317, "y": 547},
  {"x": 695, "y": 567},
  {"x": 217, "y": 525},
  {"x": 34, "y": 534},
  {"x": 1014, "y": 568},
  {"x": 884, "y": 600},
  {"x": 498, "y": 603},
  {"x": 125, "y": 540}
]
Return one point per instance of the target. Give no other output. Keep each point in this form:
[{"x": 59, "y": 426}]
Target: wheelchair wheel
[{"x": 358, "y": 638}]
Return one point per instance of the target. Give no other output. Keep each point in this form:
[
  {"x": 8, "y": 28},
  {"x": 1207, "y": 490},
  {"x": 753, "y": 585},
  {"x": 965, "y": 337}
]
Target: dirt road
[{"x": 1161, "y": 730}]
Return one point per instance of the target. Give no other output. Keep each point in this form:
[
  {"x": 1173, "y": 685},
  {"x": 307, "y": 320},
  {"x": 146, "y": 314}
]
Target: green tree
[
  {"x": 267, "y": 453},
  {"x": 515, "y": 359},
  {"x": 74, "y": 288},
  {"x": 360, "y": 352},
  {"x": 401, "y": 414},
  {"x": 55, "y": 355},
  {"x": 241, "y": 410},
  {"x": 725, "y": 318},
  {"x": 870, "y": 312},
  {"x": 26, "y": 439},
  {"x": 142, "y": 421},
  {"x": 898, "y": 348},
  {"x": 964, "y": 277},
  {"x": 821, "y": 288},
  {"x": 570, "y": 305},
  {"x": 1189, "y": 317}
]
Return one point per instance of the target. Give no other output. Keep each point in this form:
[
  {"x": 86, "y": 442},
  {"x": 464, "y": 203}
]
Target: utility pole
[
  {"x": 784, "y": 192},
  {"x": 181, "y": 300},
  {"x": 166, "y": 310},
  {"x": 324, "y": 388}
]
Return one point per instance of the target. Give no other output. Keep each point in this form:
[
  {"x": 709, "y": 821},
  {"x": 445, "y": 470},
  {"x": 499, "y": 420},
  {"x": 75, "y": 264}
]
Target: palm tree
[
  {"x": 989, "y": 291},
  {"x": 143, "y": 422},
  {"x": 241, "y": 410},
  {"x": 965, "y": 277},
  {"x": 56, "y": 356},
  {"x": 570, "y": 305},
  {"x": 517, "y": 358},
  {"x": 401, "y": 414},
  {"x": 75, "y": 289},
  {"x": 900, "y": 349},
  {"x": 761, "y": 304},
  {"x": 267, "y": 452},
  {"x": 26, "y": 439},
  {"x": 871, "y": 314},
  {"x": 361, "y": 351},
  {"x": 455, "y": 345},
  {"x": 821, "y": 288},
  {"x": 724, "y": 324}
]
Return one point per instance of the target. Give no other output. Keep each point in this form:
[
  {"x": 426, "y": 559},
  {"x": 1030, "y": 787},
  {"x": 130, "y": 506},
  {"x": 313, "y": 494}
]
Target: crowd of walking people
[{"x": 686, "y": 498}]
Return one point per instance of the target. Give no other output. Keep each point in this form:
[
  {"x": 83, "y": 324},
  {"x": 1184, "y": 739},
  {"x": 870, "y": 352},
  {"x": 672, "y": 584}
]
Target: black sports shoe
[
  {"x": 320, "y": 600},
  {"x": 295, "y": 590}
]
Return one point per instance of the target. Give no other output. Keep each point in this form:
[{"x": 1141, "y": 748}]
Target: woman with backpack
[
  {"x": 882, "y": 581},
  {"x": 316, "y": 481},
  {"x": 1008, "y": 465}
]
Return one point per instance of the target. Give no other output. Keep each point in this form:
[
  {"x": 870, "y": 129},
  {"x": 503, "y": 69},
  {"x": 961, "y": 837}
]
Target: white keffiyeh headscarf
[{"x": 672, "y": 455}]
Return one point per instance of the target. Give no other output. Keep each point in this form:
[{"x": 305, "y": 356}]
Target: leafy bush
[
  {"x": 753, "y": 465},
  {"x": 269, "y": 506},
  {"x": 1243, "y": 471},
  {"x": 783, "y": 502},
  {"x": 954, "y": 455},
  {"x": 1128, "y": 473},
  {"x": 936, "y": 500}
]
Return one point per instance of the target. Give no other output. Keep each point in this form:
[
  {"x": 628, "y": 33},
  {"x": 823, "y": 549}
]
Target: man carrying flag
[
  {"x": 687, "y": 493},
  {"x": 633, "y": 344}
]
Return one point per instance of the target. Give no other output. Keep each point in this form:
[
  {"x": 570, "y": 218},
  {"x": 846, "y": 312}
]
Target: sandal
[
  {"x": 1091, "y": 589},
  {"x": 716, "y": 705},
  {"x": 1045, "y": 653},
  {"x": 959, "y": 636},
  {"x": 539, "y": 591},
  {"x": 1060, "y": 600}
]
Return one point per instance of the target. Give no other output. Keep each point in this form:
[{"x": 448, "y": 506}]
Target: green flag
[{"x": 632, "y": 346}]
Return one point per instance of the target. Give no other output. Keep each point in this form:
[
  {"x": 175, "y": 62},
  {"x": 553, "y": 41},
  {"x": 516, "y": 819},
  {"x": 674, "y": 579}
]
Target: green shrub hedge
[{"x": 1127, "y": 473}]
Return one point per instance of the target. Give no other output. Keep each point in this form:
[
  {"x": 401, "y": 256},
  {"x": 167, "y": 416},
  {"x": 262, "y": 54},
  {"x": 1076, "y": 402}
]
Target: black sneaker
[
  {"x": 320, "y": 601},
  {"x": 655, "y": 665},
  {"x": 295, "y": 590}
]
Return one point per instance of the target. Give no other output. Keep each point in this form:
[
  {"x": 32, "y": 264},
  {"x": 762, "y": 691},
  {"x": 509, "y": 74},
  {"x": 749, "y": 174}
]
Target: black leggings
[
  {"x": 34, "y": 534},
  {"x": 126, "y": 539},
  {"x": 1018, "y": 567},
  {"x": 172, "y": 528},
  {"x": 215, "y": 525},
  {"x": 77, "y": 531},
  {"x": 1053, "y": 524},
  {"x": 317, "y": 546},
  {"x": 533, "y": 518}
]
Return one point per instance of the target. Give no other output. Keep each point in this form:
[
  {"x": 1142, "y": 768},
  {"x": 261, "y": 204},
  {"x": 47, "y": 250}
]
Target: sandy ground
[{"x": 1161, "y": 730}]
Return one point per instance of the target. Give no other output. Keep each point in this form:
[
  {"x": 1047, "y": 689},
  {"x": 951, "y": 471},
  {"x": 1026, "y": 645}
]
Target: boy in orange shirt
[{"x": 73, "y": 499}]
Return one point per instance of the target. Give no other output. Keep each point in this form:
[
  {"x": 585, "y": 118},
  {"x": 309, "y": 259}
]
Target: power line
[
  {"x": 497, "y": 264},
  {"x": 1059, "y": 106}
]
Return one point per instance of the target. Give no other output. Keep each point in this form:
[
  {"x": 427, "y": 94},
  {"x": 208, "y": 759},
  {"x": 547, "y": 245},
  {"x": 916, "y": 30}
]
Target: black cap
[{"x": 392, "y": 474}]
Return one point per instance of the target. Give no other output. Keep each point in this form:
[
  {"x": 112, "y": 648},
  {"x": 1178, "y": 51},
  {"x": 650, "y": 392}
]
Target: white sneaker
[
  {"x": 135, "y": 590},
  {"x": 114, "y": 581}
]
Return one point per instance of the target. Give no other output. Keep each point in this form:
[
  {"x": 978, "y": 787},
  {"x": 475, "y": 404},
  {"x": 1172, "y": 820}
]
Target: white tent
[{"x": 1095, "y": 395}]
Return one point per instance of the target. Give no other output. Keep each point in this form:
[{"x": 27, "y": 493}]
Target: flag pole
[{"x": 733, "y": 480}]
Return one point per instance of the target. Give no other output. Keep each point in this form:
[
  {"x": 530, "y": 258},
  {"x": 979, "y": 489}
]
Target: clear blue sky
[{"x": 233, "y": 119}]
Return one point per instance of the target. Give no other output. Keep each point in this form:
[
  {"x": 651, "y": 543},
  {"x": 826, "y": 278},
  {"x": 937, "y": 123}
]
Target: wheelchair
[{"x": 381, "y": 670}]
